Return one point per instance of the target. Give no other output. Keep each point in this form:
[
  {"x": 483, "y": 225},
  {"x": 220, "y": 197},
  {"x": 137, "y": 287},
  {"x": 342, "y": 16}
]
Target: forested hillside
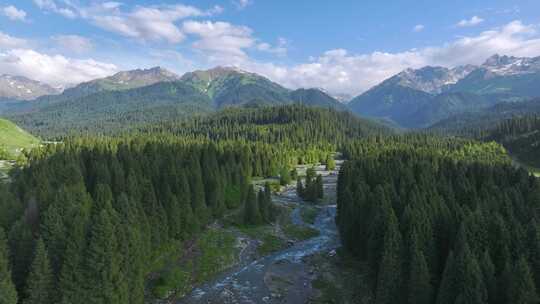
[
  {"x": 114, "y": 112},
  {"x": 439, "y": 221},
  {"x": 295, "y": 126},
  {"x": 85, "y": 219},
  {"x": 521, "y": 136}
]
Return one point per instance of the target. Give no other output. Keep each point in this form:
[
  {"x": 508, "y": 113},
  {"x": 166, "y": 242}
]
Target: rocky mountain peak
[{"x": 22, "y": 88}]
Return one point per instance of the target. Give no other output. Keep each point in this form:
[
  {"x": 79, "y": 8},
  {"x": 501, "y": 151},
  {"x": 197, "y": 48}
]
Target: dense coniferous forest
[
  {"x": 436, "y": 219},
  {"x": 84, "y": 218},
  {"x": 289, "y": 125},
  {"x": 438, "y": 224},
  {"x": 521, "y": 136}
]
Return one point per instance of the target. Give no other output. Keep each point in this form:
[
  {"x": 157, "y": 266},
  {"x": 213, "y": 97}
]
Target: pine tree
[
  {"x": 522, "y": 288},
  {"x": 40, "y": 284},
  {"x": 8, "y": 293},
  {"x": 389, "y": 274},
  {"x": 330, "y": 163},
  {"x": 72, "y": 275},
  {"x": 103, "y": 274},
  {"x": 488, "y": 272},
  {"x": 284, "y": 176},
  {"x": 420, "y": 290},
  {"x": 252, "y": 216}
]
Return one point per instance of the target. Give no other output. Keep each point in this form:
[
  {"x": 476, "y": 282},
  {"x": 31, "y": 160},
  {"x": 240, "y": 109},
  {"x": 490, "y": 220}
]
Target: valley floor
[{"x": 274, "y": 264}]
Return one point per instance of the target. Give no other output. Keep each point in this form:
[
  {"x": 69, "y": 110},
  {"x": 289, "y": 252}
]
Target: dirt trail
[{"x": 282, "y": 277}]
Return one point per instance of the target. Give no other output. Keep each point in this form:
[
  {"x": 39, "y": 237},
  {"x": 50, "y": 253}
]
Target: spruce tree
[
  {"x": 330, "y": 163},
  {"x": 522, "y": 288},
  {"x": 40, "y": 283},
  {"x": 8, "y": 293},
  {"x": 72, "y": 275},
  {"x": 419, "y": 283},
  {"x": 252, "y": 215},
  {"x": 103, "y": 275},
  {"x": 389, "y": 274}
]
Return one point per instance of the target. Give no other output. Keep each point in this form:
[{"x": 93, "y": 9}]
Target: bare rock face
[
  {"x": 22, "y": 88},
  {"x": 498, "y": 65}
]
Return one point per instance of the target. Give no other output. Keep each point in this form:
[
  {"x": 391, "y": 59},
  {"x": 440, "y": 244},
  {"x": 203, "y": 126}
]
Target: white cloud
[
  {"x": 148, "y": 23},
  {"x": 145, "y": 23},
  {"x": 220, "y": 39},
  {"x": 475, "y": 20},
  {"x": 342, "y": 72},
  {"x": 280, "y": 49},
  {"x": 13, "y": 13},
  {"x": 55, "y": 70},
  {"x": 241, "y": 4},
  {"x": 74, "y": 43},
  {"x": 51, "y": 5},
  {"x": 418, "y": 28},
  {"x": 7, "y": 41}
]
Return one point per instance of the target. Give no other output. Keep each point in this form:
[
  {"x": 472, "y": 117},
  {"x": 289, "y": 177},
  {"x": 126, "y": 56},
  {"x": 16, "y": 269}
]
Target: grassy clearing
[
  {"x": 270, "y": 244},
  {"x": 214, "y": 251},
  {"x": 340, "y": 279},
  {"x": 309, "y": 214},
  {"x": 300, "y": 233},
  {"x": 13, "y": 139}
]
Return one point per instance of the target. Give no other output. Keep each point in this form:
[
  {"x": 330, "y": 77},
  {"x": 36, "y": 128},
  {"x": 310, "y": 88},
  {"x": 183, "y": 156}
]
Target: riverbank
[{"x": 279, "y": 271}]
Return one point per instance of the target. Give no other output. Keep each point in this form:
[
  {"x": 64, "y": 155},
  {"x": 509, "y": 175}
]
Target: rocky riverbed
[{"x": 284, "y": 276}]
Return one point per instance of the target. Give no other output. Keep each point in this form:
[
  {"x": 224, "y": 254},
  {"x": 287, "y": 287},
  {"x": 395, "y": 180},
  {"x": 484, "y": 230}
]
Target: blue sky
[{"x": 343, "y": 46}]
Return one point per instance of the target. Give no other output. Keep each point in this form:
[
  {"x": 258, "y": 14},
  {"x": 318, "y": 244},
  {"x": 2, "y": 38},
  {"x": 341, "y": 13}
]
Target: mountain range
[
  {"x": 138, "y": 97},
  {"x": 419, "y": 98},
  {"x": 22, "y": 88},
  {"x": 414, "y": 98}
]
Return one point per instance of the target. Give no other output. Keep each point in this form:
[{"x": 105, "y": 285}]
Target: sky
[{"x": 343, "y": 46}]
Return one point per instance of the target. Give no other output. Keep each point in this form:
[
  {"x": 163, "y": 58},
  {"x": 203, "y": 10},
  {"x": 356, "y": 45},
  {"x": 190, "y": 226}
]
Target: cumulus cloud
[
  {"x": 56, "y": 70},
  {"x": 475, "y": 20},
  {"x": 146, "y": 23},
  {"x": 418, "y": 28},
  {"x": 220, "y": 39},
  {"x": 280, "y": 49},
  {"x": 7, "y": 41},
  {"x": 74, "y": 43},
  {"x": 13, "y": 13},
  {"x": 342, "y": 72}
]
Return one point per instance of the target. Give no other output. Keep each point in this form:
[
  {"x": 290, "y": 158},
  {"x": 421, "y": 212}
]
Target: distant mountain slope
[
  {"x": 111, "y": 112},
  {"x": 22, "y": 88},
  {"x": 115, "y": 107},
  {"x": 521, "y": 136},
  {"x": 433, "y": 80},
  {"x": 233, "y": 87},
  {"x": 293, "y": 125},
  {"x": 446, "y": 105},
  {"x": 390, "y": 100},
  {"x": 118, "y": 82},
  {"x": 13, "y": 139},
  {"x": 317, "y": 98},
  {"x": 418, "y": 98},
  {"x": 122, "y": 81},
  {"x": 487, "y": 118}
]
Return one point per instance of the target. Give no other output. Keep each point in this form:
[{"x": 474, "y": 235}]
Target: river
[{"x": 284, "y": 276}]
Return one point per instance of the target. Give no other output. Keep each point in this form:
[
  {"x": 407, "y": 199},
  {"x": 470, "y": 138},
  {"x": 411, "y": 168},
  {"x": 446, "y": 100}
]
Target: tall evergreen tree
[
  {"x": 8, "y": 293},
  {"x": 389, "y": 274},
  {"x": 103, "y": 275},
  {"x": 40, "y": 283},
  {"x": 252, "y": 215},
  {"x": 420, "y": 290},
  {"x": 522, "y": 288}
]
